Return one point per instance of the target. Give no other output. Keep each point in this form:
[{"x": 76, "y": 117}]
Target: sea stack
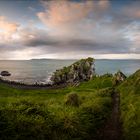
[{"x": 81, "y": 70}]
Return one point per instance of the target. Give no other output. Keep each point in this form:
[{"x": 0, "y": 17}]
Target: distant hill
[{"x": 53, "y": 59}]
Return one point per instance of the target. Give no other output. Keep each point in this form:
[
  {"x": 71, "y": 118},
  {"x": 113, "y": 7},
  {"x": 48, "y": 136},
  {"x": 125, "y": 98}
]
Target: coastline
[{"x": 19, "y": 85}]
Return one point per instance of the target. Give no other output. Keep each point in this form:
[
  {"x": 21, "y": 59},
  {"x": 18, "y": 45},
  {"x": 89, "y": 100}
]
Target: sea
[{"x": 40, "y": 70}]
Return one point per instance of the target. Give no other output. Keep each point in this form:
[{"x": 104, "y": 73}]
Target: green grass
[
  {"x": 43, "y": 114},
  {"x": 130, "y": 107}
]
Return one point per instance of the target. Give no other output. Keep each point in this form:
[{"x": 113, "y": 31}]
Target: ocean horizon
[{"x": 39, "y": 70}]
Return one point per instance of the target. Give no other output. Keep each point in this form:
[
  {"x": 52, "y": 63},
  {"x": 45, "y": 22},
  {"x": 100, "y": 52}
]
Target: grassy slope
[
  {"x": 130, "y": 106},
  {"x": 42, "y": 114}
]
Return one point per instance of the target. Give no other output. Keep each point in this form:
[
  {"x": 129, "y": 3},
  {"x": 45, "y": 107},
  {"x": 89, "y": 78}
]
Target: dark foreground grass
[
  {"x": 130, "y": 107},
  {"x": 44, "y": 114}
]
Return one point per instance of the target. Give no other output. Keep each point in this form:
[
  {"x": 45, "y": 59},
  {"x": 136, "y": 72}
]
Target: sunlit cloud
[
  {"x": 65, "y": 12},
  {"x": 7, "y": 28},
  {"x": 65, "y": 17},
  {"x": 72, "y": 29}
]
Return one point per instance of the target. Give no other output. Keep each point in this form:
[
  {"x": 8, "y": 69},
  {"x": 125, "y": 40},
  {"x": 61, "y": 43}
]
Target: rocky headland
[{"x": 81, "y": 70}]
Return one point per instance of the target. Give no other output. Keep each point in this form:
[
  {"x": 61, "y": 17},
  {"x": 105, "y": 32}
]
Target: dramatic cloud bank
[{"x": 74, "y": 29}]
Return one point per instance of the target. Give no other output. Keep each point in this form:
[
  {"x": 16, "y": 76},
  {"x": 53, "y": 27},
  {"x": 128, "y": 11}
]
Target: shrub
[{"x": 72, "y": 99}]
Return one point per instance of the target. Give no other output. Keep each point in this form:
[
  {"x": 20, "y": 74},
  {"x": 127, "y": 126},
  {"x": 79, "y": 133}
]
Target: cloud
[
  {"x": 132, "y": 11},
  {"x": 81, "y": 27},
  {"x": 31, "y": 8},
  {"x": 7, "y": 28},
  {"x": 42, "y": 40},
  {"x": 65, "y": 17},
  {"x": 74, "y": 29},
  {"x": 132, "y": 32},
  {"x": 59, "y": 13},
  {"x": 103, "y": 4}
]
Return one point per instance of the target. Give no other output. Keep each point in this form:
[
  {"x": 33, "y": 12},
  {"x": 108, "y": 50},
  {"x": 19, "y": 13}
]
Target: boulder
[
  {"x": 79, "y": 71},
  {"x": 5, "y": 73}
]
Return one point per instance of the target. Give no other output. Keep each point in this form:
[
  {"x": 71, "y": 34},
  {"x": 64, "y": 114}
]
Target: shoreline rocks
[{"x": 5, "y": 73}]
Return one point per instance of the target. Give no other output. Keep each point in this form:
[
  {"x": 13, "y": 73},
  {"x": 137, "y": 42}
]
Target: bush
[{"x": 72, "y": 99}]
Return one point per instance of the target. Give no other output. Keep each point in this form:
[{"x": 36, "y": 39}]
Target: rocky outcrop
[
  {"x": 119, "y": 77},
  {"x": 77, "y": 72},
  {"x": 5, "y": 73}
]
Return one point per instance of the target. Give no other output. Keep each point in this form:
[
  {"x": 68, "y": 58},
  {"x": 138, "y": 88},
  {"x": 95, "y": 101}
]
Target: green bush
[{"x": 72, "y": 99}]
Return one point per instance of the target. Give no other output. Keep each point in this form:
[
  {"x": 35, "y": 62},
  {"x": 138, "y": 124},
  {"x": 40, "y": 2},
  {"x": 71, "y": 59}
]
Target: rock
[
  {"x": 119, "y": 77},
  {"x": 5, "y": 73},
  {"x": 77, "y": 72}
]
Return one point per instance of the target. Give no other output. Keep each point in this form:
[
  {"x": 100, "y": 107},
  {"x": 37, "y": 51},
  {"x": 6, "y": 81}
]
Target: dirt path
[{"x": 112, "y": 128}]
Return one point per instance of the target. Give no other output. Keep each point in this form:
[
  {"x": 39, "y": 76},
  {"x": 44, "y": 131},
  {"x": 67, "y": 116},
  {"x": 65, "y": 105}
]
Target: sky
[{"x": 69, "y": 29}]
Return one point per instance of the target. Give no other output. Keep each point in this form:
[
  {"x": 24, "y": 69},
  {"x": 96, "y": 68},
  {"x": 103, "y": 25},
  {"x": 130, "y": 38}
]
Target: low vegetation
[
  {"x": 130, "y": 106},
  {"x": 57, "y": 114},
  {"x": 72, "y": 100},
  {"x": 72, "y": 113}
]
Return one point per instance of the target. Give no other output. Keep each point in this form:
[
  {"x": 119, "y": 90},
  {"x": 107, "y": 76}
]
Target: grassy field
[
  {"x": 72, "y": 113},
  {"x": 130, "y": 107},
  {"x": 53, "y": 114}
]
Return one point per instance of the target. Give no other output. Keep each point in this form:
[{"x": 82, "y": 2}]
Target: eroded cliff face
[{"x": 79, "y": 71}]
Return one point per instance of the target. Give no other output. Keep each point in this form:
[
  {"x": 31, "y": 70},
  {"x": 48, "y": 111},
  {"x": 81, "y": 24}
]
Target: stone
[
  {"x": 5, "y": 73},
  {"x": 119, "y": 77}
]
